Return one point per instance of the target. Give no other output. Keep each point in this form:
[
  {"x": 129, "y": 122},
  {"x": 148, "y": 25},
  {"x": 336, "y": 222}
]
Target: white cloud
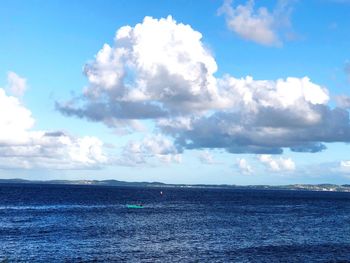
[
  {"x": 15, "y": 120},
  {"x": 277, "y": 164},
  {"x": 343, "y": 101},
  {"x": 347, "y": 70},
  {"x": 58, "y": 151},
  {"x": 206, "y": 158},
  {"x": 155, "y": 69},
  {"x": 16, "y": 84},
  {"x": 159, "y": 70},
  {"x": 86, "y": 150},
  {"x": 265, "y": 117},
  {"x": 260, "y": 25},
  {"x": 244, "y": 166},
  {"x": 342, "y": 167},
  {"x": 149, "y": 151},
  {"x": 279, "y": 94},
  {"x": 345, "y": 164},
  {"x": 23, "y": 147}
]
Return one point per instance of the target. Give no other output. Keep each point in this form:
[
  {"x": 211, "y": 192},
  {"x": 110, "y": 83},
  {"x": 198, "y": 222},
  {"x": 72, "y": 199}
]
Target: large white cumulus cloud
[
  {"x": 160, "y": 70},
  {"x": 156, "y": 69},
  {"x": 23, "y": 147},
  {"x": 265, "y": 117}
]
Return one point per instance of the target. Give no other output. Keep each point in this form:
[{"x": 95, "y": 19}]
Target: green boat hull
[{"x": 134, "y": 206}]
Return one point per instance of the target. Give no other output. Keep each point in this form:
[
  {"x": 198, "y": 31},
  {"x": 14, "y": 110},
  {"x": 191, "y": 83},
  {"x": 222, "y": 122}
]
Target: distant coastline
[{"x": 295, "y": 187}]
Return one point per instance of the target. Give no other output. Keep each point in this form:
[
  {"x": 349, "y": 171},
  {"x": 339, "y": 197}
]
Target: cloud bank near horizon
[
  {"x": 23, "y": 147},
  {"x": 160, "y": 71}
]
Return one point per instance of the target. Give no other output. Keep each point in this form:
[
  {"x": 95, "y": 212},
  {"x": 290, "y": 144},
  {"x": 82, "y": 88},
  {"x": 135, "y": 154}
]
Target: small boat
[{"x": 134, "y": 206}]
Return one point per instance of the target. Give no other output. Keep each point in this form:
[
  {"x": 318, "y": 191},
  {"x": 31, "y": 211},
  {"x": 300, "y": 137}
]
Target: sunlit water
[{"x": 48, "y": 223}]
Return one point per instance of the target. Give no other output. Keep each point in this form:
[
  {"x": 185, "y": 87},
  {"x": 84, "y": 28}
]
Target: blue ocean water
[{"x": 61, "y": 223}]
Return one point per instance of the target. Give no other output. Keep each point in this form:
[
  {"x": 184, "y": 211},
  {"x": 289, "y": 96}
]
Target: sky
[{"x": 211, "y": 92}]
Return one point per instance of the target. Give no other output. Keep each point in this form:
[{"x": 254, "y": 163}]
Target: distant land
[{"x": 296, "y": 187}]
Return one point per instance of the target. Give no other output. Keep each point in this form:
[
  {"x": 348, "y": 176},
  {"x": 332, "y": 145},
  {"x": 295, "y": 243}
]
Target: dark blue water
[{"x": 43, "y": 223}]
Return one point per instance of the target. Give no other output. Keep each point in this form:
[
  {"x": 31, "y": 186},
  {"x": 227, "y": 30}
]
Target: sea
[{"x": 72, "y": 223}]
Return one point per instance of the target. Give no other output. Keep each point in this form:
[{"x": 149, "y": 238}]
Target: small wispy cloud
[
  {"x": 347, "y": 69},
  {"x": 16, "y": 84},
  {"x": 244, "y": 166},
  {"x": 206, "y": 158},
  {"x": 343, "y": 101},
  {"x": 343, "y": 169},
  {"x": 151, "y": 150},
  {"x": 258, "y": 25},
  {"x": 333, "y": 26},
  {"x": 277, "y": 164},
  {"x": 345, "y": 164}
]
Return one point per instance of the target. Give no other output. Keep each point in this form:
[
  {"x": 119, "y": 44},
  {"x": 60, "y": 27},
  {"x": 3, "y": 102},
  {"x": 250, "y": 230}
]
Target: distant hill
[
  {"x": 80, "y": 182},
  {"x": 295, "y": 187}
]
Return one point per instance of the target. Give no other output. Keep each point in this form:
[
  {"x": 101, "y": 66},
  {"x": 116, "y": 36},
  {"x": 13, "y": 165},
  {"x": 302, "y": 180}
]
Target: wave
[{"x": 58, "y": 207}]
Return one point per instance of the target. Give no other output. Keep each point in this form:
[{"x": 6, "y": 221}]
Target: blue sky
[{"x": 236, "y": 92}]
